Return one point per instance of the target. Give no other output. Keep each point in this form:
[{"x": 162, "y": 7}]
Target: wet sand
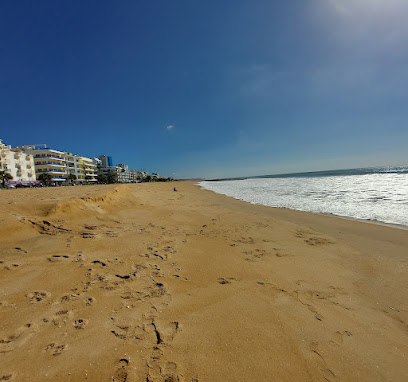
[{"x": 140, "y": 283}]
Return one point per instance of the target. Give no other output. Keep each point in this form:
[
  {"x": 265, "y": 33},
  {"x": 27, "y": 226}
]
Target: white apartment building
[
  {"x": 48, "y": 161},
  {"x": 135, "y": 176},
  {"x": 18, "y": 164},
  {"x": 114, "y": 174},
  {"x": 83, "y": 168},
  {"x": 60, "y": 164}
]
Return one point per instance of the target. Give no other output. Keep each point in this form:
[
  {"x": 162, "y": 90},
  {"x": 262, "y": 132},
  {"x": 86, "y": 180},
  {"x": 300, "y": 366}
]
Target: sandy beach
[{"x": 141, "y": 283}]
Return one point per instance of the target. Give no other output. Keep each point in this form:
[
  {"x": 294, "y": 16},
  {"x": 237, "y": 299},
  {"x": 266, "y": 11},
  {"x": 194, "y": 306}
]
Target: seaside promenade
[{"x": 141, "y": 283}]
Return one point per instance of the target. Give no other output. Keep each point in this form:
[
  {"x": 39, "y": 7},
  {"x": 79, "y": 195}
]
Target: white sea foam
[{"x": 379, "y": 197}]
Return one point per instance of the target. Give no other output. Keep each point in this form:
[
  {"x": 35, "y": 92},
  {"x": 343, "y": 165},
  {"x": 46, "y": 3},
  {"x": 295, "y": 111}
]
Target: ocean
[{"x": 376, "y": 194}]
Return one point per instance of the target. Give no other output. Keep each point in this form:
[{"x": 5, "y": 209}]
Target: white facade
[
  {"x": 83, "y": 168},
  {"x": 60, "y": 164},
  {"x": 48, "y": 161},
  {"x": 18, "y": 164},
  {"x": 114, "y": 174}
]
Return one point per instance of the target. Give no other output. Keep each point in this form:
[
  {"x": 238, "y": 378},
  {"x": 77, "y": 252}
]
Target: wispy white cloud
[
  {"x": 340, "y": 7},
  {"x": 170, "y": 127}
]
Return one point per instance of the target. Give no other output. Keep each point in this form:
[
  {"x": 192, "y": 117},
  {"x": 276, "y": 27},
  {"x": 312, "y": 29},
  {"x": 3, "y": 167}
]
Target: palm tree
[
  {"x": 5, "y": 177},
  {"x": 45, "y": 179},
  {"x": 71, "y": 178}
]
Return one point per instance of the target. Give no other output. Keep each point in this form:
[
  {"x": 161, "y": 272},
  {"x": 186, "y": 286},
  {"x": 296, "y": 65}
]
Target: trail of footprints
[
  {"x": 138, "y": 289},
  {"x": 148, "y": 296},
  {"x": 136, "y": 318},
  {"x": 88, "y": 231}
]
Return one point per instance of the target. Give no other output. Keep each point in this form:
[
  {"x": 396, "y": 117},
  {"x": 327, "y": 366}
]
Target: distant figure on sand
[{"x": 174, "y": 189}]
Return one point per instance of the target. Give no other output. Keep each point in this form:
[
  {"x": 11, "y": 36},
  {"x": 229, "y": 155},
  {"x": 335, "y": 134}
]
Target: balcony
[
  {"x": 49, "y": 157},
  {"x": 51, "y": 171},
  {"x": 50, "y": 164}
]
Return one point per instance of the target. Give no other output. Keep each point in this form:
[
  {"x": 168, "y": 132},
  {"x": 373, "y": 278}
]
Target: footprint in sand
[
  {"x": 158, "y": 290},
  {"x": 38, "y": 296},
  {"x": 20, "y": 249},
  {"x": 90, "y": 227},
  {"x": 99, "y": 262},
  {"x": 8, "y": 343},
  {"x": 129, "y": 332},
  {"x": 338, "y": 337},
  {"x": 312, "y": 240},
  {"x": 224, "y": 281},
  {"x": 90, "y": 301},
  {"x": 317, "y": 241},
  {"x": 61, "y": 317},
  {"x": 10, "y": 267},
  {"x": 7, "y": 377},
  {"x": 121, "y": 373},
  {"x": 168, "y": 372},
  {"x": 55, "y": 349},
  {"x": 88, "y": 235},
  {"x": 79, "y": 257},
  {"x": 80, "y": 323},
  {"x": 165, "y": 334},
  {"x": 55, "y": 258}
]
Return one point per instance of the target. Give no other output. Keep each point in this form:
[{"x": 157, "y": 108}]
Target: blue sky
[{"x": 209, "y": 88}]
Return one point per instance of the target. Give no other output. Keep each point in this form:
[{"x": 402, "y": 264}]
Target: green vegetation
[
  {"x": 71, "y": 178},
  {"x": 45, "y": 179},
  {"x": 5, "y": 177}
]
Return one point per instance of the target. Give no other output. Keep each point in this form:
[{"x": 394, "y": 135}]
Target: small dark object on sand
[{"x": 174, "y": 189}]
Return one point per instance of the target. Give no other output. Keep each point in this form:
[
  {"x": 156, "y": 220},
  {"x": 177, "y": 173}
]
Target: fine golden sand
[{"x": 141, "y": 283}]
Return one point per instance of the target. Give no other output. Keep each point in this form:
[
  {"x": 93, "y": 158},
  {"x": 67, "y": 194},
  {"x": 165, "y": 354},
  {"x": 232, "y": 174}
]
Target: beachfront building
[
  {"x": 62, "y": 166},
  {"x": 113, "y": 174},
  {"x": 123, "y": 173},
  {"x": 135, "y": 176},
  {"x": 48, "y": 161},
  {"x": 120, "y": 173},
  {"x": 80, "y": 169},
  {"x": 106, "y": 161},
  {"x": 18, "y": 164}
]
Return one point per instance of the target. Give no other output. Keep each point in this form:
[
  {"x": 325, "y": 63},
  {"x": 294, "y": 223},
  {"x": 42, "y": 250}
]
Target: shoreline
[
  {"x": 376, "y": 222},
  {"x": 138, "y": 282}
]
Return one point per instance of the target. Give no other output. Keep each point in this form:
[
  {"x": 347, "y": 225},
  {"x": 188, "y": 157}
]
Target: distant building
[
  {"x": 60, "y": 164},
  {"x": 47, "y": 161},
  {"x": 97, "y": 162},
  {"x": 106, "y": 160},
  {"x": 114, "y": 174},
  {"x": 83, "y": 168},
  {"x": 18, "y": 164},
  {"x": 123, "y": 166},
  {"x": 135, "y": 176}
]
